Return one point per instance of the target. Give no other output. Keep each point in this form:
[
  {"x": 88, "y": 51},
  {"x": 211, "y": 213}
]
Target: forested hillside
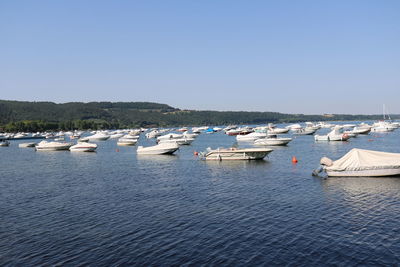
[{"x": 41, "y": 116}]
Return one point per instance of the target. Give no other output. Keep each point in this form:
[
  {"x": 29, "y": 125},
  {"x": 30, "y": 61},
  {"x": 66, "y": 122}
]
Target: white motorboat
[
  {"x": 349, "y": 125},
  {"x": 183, "y": 129},
  {"x": 360, "y": 162},
  {"x": 240, "y": 131},
  {"x": 20, "y": 135},
  {"x": 4, "y": 143},
  {"x": 395, "y": 125},
  {"x": 75, "y": 136},
  {"x": 273, "y": 140},
  {"x": 179, "y": 141},
  {"x": 170, "y": 136},
  {"x": 305, "y": 131},
  {"x": 153, "y": 134},
  {"x": 198, "y": 130},
  {"x": 52, "y": 146},
  {"x": 190, "y": 135},
  {"x": 251, "y": 136},
  {"x": 23, "y": 145},
  {"x": 311, "y": 125},
  {"x": 361, "y": 130},
  {"x": 323, "y": 124},
  {"x": 135, "y": 132},
  {"x": 236, "y": 153},
  {"x": 350, "y": 133},
  {"x": 128, "y": 140},
  {"x": 295, "y": 127},
  {"x": 382, "y": 127},
  {"x": 334, "y": 135},
  {"x": 83, "y": 147},
  {"x": 275, "y": 130},
  {"x": 100, "y": 136},
  {"x": 164, "y": 148},
  {"x": 116, "y": 135}
]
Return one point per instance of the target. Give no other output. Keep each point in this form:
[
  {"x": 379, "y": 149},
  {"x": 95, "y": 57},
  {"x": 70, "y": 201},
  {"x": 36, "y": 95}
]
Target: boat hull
[
  {"x": 365, "y": 173},
  {"x": 240, "y": 154},
  {"x": 273, "y": 142},
  {"x": 182, "y": 141},
  {"x": 164, "y": 151},
  {"x": 126, "y": 143},
  {"x": 82, "y": 148},
  {"x": 61, "y": 148}
]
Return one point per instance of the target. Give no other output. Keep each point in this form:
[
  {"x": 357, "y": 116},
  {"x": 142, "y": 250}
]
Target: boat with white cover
[
  {"x": 52, "y": 146},
  {"x": 361, "y": 162},
  {"x": 236, "y": 153},
  {"x": 273, "y": 140},
  {"x": 160, "y": 149},
  {"x": 83, "y": 147}
]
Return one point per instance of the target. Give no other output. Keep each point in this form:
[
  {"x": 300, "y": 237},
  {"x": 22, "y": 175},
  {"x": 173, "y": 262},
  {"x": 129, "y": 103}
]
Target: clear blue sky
[{"x": 286, "y": 56}]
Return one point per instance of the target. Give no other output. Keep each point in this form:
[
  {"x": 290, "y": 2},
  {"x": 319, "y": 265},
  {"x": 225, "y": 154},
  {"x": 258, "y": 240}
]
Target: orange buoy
[
  {"x": 294, "y": 159},
  {"x": 117, "y": 150},
  {"x": 195, "y": 153}
]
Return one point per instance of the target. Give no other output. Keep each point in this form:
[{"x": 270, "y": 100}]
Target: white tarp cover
[{"x": 361, "y": 159}]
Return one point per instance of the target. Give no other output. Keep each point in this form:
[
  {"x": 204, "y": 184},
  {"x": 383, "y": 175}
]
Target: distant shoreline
[{"x": 45, "y": 116}]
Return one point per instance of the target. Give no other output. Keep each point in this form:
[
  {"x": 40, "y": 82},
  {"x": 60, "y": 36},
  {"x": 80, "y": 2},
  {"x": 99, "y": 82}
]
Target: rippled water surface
[{"x": 114, "y": 207}]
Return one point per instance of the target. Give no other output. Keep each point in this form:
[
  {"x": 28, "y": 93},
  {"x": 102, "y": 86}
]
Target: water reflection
[
  {"x": 221, "y": 168},
  {"x": 356, "y": 185},
  {"x": 158, "y": 158}
]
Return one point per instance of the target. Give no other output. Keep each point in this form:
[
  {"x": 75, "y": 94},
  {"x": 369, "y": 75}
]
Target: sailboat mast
[{"x": 384, "y": 112}]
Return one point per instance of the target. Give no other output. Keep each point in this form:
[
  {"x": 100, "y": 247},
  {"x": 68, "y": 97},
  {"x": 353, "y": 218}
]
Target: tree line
[{"x": 18, "y": 116}]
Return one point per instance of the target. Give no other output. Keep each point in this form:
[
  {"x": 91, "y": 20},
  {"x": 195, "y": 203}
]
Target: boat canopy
[{"x": 361, "y": 159}]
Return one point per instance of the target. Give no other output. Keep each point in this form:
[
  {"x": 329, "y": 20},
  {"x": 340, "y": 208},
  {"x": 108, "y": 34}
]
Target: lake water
[{"x": 113, "y": 207}]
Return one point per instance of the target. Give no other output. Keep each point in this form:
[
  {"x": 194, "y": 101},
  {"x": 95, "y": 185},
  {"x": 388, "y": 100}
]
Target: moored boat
[
  {"x": 163, "y": 148},
  {"x": 99, "y": 137},
  {"x": 179, "y": 141},
  {"x": 361, "y": 162},
  {"x": 251, "y": 136},
  {"x": 52, "y": 146},
  {"x": 305, "y": 131},
  {"x": 273, "y": 140},
  {"x": 334, "y": 135},
  {"x": 127, "y": 140},
  {"x": 4, "y": 143},
  {"x": 83, "y": 147},
  {"x": 23, "y": 145},
  {"x": 236, "y": 153}
]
